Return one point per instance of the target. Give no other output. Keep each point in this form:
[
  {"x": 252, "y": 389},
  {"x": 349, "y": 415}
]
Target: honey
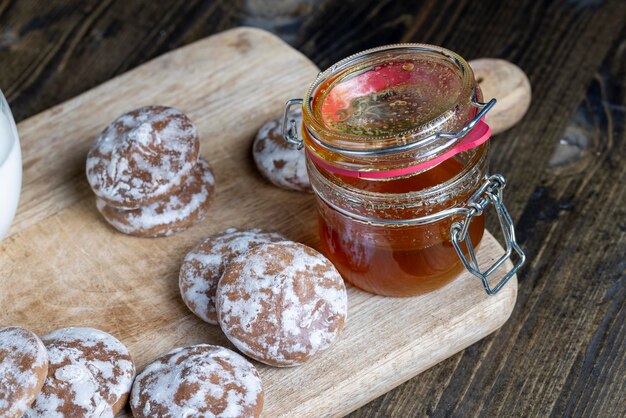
[
  {"x": 400, "y": 209},
  {"x": 395, "y": 261}
]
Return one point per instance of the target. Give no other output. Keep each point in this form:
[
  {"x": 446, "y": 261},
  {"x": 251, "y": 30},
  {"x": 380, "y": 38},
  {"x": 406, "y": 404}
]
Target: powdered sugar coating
[
  {"x": 281, "y": 303},
  {"x": 198, "y": 381},
  {"x": 280, "y": 162},
  {"x": 203, "y": 266},
  {"x": 142, "y": 156},
  {"x": 174, "y": 213},
  {"x": 90, "y": 375},
  {"x": 23, "y": 369}
]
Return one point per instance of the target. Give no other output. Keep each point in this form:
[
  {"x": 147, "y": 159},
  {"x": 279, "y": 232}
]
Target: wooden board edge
[
  {"x": 502, "y": 304},
  {"x": 405, "y": 378},
  {"x": 509, "y": 303}
]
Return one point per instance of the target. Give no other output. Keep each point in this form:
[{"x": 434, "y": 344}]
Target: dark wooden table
[{"x": 563, "y": 352}]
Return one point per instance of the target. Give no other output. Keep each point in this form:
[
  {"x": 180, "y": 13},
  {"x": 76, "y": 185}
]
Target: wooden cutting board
[{"x": 61, "y": 265}]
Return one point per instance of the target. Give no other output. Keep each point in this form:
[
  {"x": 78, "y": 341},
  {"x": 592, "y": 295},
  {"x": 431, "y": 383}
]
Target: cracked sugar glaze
[{"x": 378, "y": 111}]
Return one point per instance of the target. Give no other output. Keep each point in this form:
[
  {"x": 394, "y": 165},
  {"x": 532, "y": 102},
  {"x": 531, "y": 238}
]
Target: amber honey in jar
[{"x": 397, "y": 154}]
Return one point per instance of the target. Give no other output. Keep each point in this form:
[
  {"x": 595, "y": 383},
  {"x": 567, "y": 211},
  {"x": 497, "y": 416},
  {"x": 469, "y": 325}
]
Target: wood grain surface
[
  {"x": 563, "y": 352},
  {"x": 66, "y": 266},
  {"x": 509, "y": 85}
]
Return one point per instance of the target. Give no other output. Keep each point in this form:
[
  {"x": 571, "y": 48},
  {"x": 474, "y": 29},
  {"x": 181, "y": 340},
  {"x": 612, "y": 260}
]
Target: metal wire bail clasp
[
  {"x": 489, "y": 192},
  {"x": 290, "y": 130}
]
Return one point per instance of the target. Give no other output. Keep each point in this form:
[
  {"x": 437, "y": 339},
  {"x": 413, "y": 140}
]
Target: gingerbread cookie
[
  {"x": 23, "y": 369},
  {"x": 175, "y": 213},
  {"x": 143, "y": 156},
  {"x": 280, "y": 162},
  {"x": 90, "y": 375},
  {"x": 198, "y": 381},
  {"x": 203, "y": 266},
  {"x": 281, "y": 303}
]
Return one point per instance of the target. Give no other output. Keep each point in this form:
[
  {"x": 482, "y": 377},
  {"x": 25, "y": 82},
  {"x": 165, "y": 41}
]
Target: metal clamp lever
[
  {"x": 489, "y": 192},
  {"x": 290, "y": 131}
]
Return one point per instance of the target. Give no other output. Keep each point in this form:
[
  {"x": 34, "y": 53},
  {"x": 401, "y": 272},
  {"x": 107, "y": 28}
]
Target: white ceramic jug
[{"x": 10, "y": 167}]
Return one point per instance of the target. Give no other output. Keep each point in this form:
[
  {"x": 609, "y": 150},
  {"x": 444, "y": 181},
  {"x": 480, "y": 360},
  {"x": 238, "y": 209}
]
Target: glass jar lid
[{"x": 391, "y": 108}]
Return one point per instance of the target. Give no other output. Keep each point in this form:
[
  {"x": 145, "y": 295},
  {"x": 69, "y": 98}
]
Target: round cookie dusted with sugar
[
  {"x": 23, "y": 369},
  {"x": 281, "y": 303},
  {"x": 90, "y": 375},
  {"x": 143, "y": 156},
  {"x": 203, "y": 266},
  {"x": 280, "y": 162},
  {"x": 198, "y": 381},
  {"x": 175, "y": 213}
]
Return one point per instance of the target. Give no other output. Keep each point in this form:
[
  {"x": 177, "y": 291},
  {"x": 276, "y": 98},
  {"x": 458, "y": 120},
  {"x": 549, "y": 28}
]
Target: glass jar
[{"x": 397, "y": 154}]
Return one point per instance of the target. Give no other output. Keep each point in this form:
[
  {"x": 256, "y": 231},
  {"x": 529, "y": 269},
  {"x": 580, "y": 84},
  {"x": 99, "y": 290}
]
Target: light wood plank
[{"x": 62, "y": 265}]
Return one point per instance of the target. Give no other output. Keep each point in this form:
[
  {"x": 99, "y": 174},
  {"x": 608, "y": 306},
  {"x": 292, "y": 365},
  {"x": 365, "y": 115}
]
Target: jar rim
[{"x": 318, "y": 129}]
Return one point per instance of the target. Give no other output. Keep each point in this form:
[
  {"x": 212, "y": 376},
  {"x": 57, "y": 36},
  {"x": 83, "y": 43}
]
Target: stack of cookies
[
  {"x": 71, "y": 372},
  {"x": 147, "y": 175},
  {"x": 278, "y": 301}
]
